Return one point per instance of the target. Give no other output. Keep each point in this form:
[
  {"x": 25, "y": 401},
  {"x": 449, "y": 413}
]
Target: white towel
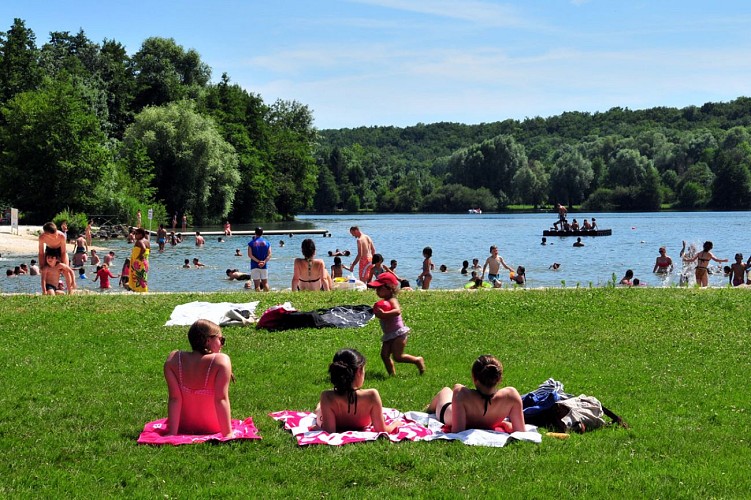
[
  {"x": 472, "y": 437},
  {"x": 221, "y": 313}
]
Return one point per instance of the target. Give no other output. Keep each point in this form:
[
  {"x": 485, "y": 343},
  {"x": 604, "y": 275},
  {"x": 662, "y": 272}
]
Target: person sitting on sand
[
  {"x": 198, "y": 384},
  {"x": 51, "y": 275},
  {"x": 52, "y": 242},
  {"x": 485, "y": 407},
  {"x": 347, "y": 406}
]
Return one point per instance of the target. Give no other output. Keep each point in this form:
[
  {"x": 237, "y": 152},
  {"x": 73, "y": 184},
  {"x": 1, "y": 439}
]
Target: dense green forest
[
  {"x": 87, "y": 128},
  {"x": 690, "y": 158}
]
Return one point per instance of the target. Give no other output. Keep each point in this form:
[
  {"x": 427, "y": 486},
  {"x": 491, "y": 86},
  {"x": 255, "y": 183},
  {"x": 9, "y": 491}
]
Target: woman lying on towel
[
  {"x": 198, "y": 384},
  {"x": 348, "y": 407},
  {"x": 485, "y": 407}
]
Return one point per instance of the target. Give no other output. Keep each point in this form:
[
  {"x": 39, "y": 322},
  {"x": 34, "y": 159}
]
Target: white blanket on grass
[
  {"x": 221, "y": 313},
  {"x": 472, "y": 437}
]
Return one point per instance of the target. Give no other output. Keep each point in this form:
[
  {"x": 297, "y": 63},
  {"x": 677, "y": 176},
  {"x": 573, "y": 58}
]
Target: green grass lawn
[{"x": 82, "y": 374}]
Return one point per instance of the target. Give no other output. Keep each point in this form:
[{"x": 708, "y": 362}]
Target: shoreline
[{"x": 26, "y": 242}]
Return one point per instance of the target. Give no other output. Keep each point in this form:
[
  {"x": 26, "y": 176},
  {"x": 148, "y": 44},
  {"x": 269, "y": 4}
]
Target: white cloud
[{"x": 483, "y": 13}]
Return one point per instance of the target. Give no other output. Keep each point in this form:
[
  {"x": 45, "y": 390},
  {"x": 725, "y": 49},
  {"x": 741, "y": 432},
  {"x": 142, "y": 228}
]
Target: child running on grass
[{"x": 394, "y": 337}]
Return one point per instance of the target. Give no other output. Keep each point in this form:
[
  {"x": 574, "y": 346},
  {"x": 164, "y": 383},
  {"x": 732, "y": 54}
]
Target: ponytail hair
[
  {"x": 343, "y": 368},
  {"x": 487, "y": 370}
]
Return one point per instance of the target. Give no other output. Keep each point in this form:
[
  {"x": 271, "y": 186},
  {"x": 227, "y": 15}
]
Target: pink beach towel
[
  {"x": 301, "y": 423},
  {"x": 155, "y": 433}
]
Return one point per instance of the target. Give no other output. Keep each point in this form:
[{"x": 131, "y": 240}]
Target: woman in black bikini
[
  {"x": 348, "y": 406},
  {"x": 485, "y": 407},
  {"x": 702, "y": 263},
  {"x": 310, "y": 273}
]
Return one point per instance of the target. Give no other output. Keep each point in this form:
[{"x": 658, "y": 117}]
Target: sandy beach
[{"x": 24, "y": 243}]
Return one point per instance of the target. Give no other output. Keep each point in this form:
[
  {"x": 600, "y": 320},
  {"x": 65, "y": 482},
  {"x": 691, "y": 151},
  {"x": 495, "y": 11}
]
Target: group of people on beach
[
  {"x": 57, "y": 272},
  {"x": 198, "y": 385}
]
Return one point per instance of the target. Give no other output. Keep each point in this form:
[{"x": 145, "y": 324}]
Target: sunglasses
[{"x": 222, "y": 340}]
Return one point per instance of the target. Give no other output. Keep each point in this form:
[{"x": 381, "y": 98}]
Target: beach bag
[
  {"x": 549, "y": 406},
  {"x": 273, "y": 317}
]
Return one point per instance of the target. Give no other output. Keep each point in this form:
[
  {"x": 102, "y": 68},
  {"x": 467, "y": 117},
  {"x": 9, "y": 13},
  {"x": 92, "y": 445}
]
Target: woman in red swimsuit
[{"x": 198, "y": 384}]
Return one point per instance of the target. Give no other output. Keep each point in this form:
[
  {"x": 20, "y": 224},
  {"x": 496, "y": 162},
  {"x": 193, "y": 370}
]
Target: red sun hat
[{"x": 385, "y": 279}]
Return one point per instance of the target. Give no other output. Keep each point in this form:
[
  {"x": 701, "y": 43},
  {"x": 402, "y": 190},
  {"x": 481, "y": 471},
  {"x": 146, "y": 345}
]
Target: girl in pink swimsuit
[{"x": 198, "y": 384}]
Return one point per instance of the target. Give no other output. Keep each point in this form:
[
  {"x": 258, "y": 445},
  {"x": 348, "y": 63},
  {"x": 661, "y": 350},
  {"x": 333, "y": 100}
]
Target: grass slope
[{"x": 82, "y": 374}]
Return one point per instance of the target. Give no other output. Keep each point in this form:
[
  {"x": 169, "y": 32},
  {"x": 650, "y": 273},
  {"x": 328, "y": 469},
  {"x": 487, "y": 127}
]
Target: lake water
[{"x": 453, "y": 238}]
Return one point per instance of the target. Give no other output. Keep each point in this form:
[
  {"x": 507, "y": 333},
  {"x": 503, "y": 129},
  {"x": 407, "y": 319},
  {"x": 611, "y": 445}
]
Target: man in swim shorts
[
  {"x": 259, "y": 251},
  {"x": 365, "y": 251}
]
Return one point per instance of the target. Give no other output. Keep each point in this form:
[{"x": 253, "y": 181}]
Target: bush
[{"x": 77, "y": 222}]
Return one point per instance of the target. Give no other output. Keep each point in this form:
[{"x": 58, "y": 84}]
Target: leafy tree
[
  {"x": 165, "y": 72},
  {"x": 116, "y": 73},
  {"x": 19, "y": 67},
  {"x": 491, "y": 164},
  {"x": 291, "y": 140},
  {"x": 530, "y": 184},
  {"x": 731, "y": 189},
  {"x": 327, "y": 195},
  {"x": 570, "y": 178},
  {"x": 53, "y": 151},
  {"x": 195, "y": 169},
  {"x": 627, "y": 168},
  {"x": 240, "y": 116}
]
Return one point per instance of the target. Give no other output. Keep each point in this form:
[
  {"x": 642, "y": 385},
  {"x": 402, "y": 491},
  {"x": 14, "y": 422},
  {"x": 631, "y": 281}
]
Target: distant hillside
[{"x": 693, "y": 157}]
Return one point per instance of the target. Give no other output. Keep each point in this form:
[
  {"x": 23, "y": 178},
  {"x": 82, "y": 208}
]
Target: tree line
[
  {"x": 689, "y": 158},
  {"x": 87, "y": 128}
]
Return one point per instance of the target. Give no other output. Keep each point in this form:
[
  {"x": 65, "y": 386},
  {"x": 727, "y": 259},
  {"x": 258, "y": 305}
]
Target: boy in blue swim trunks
[{"x": 493, "y": 265}]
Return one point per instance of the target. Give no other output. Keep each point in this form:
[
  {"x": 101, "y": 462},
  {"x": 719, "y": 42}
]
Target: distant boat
[
  {"x": 475, "y": 211},
  {"x": 580, "y": 232}
]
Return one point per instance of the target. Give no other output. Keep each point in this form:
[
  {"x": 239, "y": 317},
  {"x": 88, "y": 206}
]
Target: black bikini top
[
  {"x": 351, "y": 397},
  {"x": 488, "y": 398}
]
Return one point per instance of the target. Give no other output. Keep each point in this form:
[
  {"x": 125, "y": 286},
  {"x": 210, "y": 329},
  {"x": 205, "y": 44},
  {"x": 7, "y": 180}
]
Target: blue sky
[{"x": 401, "y": 62}]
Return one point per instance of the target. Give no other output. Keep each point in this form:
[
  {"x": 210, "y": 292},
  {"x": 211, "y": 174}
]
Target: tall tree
[
  {"x": 195, "y": 168},
  {"x": 570, "y": 178},
  {"x": 292, "y": 138},
  {"x": 165, "y": 72},
  {"x": 53, "y": 151},
  {"x": 19, "y": 66}
]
